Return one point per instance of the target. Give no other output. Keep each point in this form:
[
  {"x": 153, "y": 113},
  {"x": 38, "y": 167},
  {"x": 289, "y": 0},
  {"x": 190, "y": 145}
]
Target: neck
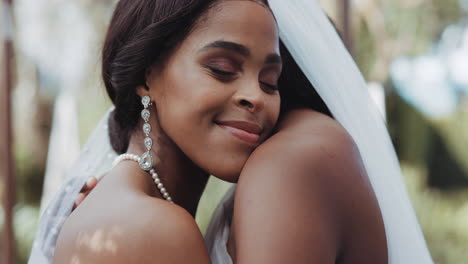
[{"x": 183, "y": 179}]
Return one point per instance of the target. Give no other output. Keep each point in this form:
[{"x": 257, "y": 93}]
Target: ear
[
  {"x": 142, "y": 90},
  {"x": 150, "y": 76}
]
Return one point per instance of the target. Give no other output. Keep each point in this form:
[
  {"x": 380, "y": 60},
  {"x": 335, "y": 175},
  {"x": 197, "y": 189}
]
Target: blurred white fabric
[
  {"x": 318, "y": 50},
  {"x": 64, "y": 146},
  {"x": 377, "y": 93},
  {"x": 95, "y": 159},
  {"x": 310, "y": 37}
]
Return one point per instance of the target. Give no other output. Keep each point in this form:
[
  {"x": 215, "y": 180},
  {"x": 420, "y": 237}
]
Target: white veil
[
  {"x": 320, "y": 53},
  {"x": 95, "y": 159},
  {"x": 310, "y": 38}
]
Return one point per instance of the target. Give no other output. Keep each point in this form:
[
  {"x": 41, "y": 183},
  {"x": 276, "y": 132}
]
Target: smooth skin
[
  {"x": 225, "y": 70},
  {"x": 302, "y": 196}
]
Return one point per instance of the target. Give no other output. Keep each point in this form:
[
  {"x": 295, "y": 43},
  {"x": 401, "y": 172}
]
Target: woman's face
[{"x": 217, "y": 95}]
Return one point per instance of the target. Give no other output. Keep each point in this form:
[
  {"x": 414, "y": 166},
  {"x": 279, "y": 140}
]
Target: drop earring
[{"x": 146, "y": 160}]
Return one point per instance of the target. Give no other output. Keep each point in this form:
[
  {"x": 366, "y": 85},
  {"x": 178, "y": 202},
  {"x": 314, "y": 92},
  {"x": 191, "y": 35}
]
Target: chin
[
  {"x": 228, "y": 172},
  {"x": 232, "y": 178}
]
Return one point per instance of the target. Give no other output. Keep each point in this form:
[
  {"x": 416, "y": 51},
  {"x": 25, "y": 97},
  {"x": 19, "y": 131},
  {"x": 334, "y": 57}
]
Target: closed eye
[
  {"x": 270, "y": 86},
  {"x": 220, "y": 72}
]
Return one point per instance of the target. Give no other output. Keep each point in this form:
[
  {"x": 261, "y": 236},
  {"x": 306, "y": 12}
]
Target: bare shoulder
[
  {"x": 314, "y": 127},
  {"x": 173, "y": 235},
  {"x": 308, "y": 141},
  {"x": 308, "y": 184},
  {"x": 134, "y": 230}
]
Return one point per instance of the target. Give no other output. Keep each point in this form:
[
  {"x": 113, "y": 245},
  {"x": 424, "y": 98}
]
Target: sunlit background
[{"x": 414, "y": 54}]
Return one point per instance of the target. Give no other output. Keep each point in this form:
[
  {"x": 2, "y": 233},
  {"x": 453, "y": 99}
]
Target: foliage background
[{"x": 54, "y": 34}]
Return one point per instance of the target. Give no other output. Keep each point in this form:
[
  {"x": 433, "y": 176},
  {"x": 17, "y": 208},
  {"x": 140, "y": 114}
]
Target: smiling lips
[{"x": 246, "y": 131}]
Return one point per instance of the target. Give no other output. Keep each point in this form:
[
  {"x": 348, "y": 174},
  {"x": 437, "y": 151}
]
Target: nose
[{"x": 251, "y": 97}]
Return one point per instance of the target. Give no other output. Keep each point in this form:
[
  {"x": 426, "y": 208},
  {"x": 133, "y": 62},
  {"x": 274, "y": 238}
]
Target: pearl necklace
[{"x": 154, "y": 175}]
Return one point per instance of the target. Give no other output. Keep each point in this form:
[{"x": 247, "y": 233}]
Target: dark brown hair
[
  {"x": 142, "y": 33},
  {"x": 295, "y": 89}
]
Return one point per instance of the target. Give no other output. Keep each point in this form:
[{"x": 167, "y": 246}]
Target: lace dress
[{"x": 218, "y": 231}]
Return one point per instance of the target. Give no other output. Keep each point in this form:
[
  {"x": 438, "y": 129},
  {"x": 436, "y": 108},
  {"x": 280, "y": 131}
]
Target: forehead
[{"x": 242, "y": 21}]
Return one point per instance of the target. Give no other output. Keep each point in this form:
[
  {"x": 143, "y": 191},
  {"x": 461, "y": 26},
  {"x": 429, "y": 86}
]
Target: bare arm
[
  {"x": 303, "y": 197},
  {"x": 148, "y": 232}
]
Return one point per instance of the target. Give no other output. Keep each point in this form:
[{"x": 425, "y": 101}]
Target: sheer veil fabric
[
  {"x": 95, "y": 159},
  {"x": 318, "y": 50}
]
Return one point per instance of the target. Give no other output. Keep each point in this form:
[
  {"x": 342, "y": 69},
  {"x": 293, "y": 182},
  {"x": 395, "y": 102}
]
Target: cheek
[
  {"x": 190, "y": 99},
  {"x": 187, "y": 108},
  {"x": 272, "y": 110}
]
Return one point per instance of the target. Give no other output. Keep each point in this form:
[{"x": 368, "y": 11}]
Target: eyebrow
[
  {"x": 240, "y": 49},
  {"x": 227, "y": 45}
]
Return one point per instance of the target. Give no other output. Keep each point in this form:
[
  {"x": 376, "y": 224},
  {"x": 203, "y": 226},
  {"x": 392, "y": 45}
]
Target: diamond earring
[{"x": 146, "y": 160}]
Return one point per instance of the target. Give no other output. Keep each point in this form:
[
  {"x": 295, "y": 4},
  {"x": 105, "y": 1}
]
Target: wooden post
[
  {"x": 6, "y": 139},
  {"x": 344, "y": 7}
]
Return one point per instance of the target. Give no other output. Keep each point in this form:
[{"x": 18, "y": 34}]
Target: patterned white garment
[
  {"x": 95, "y": 159},
  {"x": 217, "y": 234},
  {"x": 320, "y": 53}
]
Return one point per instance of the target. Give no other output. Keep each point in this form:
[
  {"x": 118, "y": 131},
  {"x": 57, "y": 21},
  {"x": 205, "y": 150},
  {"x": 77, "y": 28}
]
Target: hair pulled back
[
  {"x": 295, "y": 89},
  {"x": 141, "y": 33}
]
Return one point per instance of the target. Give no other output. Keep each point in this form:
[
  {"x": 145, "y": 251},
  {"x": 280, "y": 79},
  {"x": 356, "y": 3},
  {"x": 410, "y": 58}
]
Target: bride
[{"x": 195, "y": 89}]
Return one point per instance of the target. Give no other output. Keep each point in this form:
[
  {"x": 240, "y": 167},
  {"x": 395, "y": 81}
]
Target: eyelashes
[
  {"x": 270, "y": 86},
  {"x": 219, "y": 72},
  {"x": 226, "y": 76}
]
